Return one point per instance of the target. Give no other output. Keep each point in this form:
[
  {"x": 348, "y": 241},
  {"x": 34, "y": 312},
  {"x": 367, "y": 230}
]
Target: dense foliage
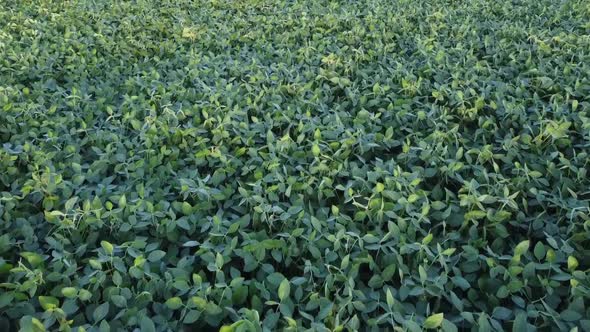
[{"x": 264, "y": 165}]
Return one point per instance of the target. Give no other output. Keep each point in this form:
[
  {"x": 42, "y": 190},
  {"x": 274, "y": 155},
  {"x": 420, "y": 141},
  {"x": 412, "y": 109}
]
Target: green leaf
[
  {"x": 461, "y": 282},
  {"x": 520, "y": 323},
  {"x": 70, "y": 203},
  {"x": 104, "y": 326},
  {"x": 33, "y": 258},
  {"x": 433, "y": 321},
  {"x": 226, "y": 328},
  {"x": 191, "y": 316},
  {"x": 449, "y": 251},
  {"x": 572, "y": 263},
  {"x": 426, "y": 241},
  {"x": 379, "y": 187},
  {"x": 389, "y": 298},
  {"x": 146, "y": 325},
  {"x": 69, "y": 292},
  {"x": 100, "y": 312},
  {"x": 317, "y": 134},
  {"x": 108, "y": 248},
  {"x": 284, "y": 289},
  {"x": 199, "y": 303},
  {"x": 551, "y": 256},
  {"x": 315, "y": 149},
  {"x": 156, "y": 255},
  {"x": 219, "y": 261},
  {"x": 6, "y": 299},
  {"x": 448, "y": 326},
  {"x": 31, "y": 324},
  {"x": 316, "y": 223},
  {"x": 376, "y": 88},
  {"x": 422, "y": 273},
  {"x": 474, "y": 215},
  {"x": 183, "y": 223},
  {"x": 122, "y": 201},
  {"x": 325, "y": 309},
  {"x": 521, "y": 248},
  {"x": 483, "y": 323},
  {"x": 48, "y": 302},
  {"x": 174, "y": 303},
  {"x": 187, "y": 209},
  {"x": 84, "y": 295},
  {"x": 119, "y": 301},
  {"x": 570, "y": 315},
  {"x": 539, "y": 251}
]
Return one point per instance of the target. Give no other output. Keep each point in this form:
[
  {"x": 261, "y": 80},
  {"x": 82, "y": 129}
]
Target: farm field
[{"x": 259, "y": 165}]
